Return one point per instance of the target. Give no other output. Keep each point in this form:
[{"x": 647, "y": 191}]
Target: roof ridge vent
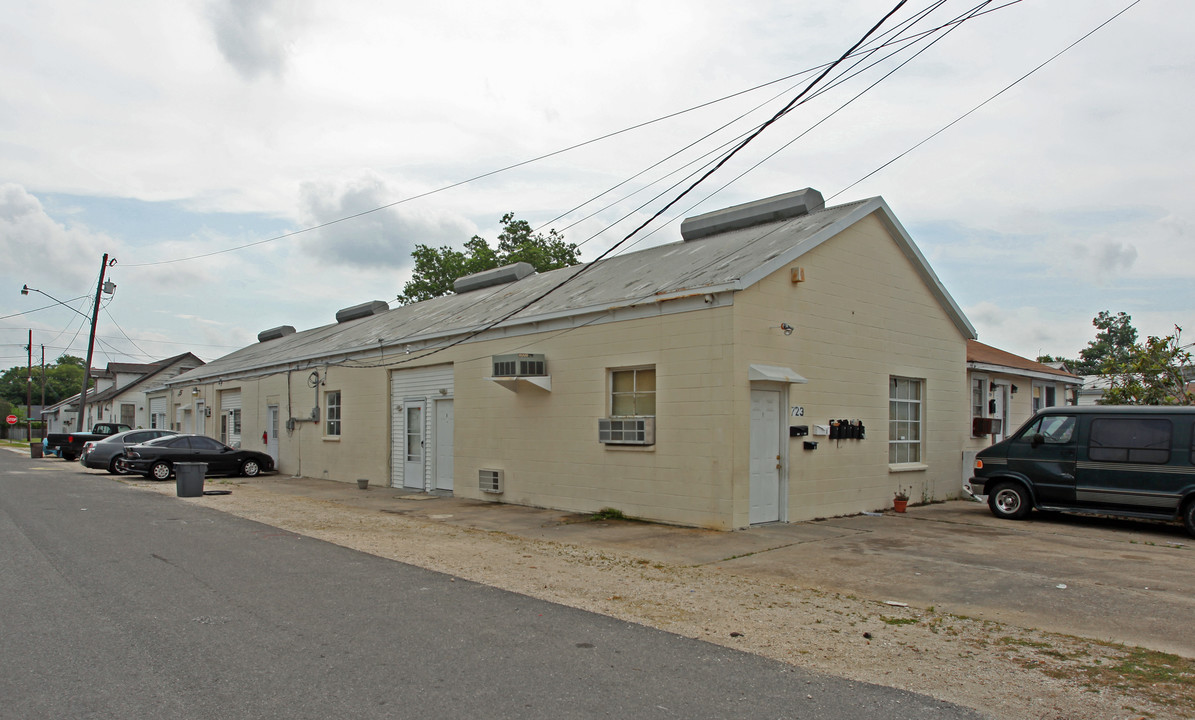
[
  {"x": 275, "y": 333},
  {"x": 496, "y": 276},
  {"x": 357, "y": 312},
  {"x": 773, "y": 209}
]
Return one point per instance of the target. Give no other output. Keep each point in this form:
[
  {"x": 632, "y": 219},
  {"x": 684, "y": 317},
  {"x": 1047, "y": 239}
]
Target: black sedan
[
  {"x": 108, "y": 454},
  {"x": 156, "y": 458}
]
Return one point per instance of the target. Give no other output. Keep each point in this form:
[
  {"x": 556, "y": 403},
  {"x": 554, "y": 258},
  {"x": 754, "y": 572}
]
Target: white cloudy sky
[{"x": 157, "y": 132}]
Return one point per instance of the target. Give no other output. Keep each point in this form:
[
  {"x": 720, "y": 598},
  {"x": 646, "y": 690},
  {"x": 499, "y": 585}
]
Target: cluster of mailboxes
[
  {"x": 835, "y": 430},
  {"x": 847, "y": 430}
]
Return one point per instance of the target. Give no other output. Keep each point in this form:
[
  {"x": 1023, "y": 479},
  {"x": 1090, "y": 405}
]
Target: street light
[{"x": 102, "y": 287}]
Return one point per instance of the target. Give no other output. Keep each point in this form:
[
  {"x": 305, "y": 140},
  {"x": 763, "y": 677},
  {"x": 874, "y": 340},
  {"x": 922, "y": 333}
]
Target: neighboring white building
[{"x": 119, "y": 393}]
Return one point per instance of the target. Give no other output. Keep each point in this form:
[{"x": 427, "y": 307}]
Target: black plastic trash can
[{"x": 188, "y": 478}]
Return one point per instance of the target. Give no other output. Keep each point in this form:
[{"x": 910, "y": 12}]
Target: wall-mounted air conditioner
[
  {"x": 490, "y": 481},
  {"x": 627, "y": 431},
  {"x": 520, "y": 365},
  {"x": 986, "y": 426}
]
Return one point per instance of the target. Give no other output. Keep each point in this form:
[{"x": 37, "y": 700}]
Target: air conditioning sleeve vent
[
  {"x": 627, "y": 431},
  {"x": 490, "y": 481}
]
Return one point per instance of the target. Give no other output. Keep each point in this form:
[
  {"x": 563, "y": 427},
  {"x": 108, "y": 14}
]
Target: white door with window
[
  {"x": 766, "y": 463},
  {"x": 442, "y": 478},
  {"x": 272, "y": 432},
  {"x": 421, "y": 428},
  {"x": 414, "y": 444},
  {"x": 1000, "y": 412}
]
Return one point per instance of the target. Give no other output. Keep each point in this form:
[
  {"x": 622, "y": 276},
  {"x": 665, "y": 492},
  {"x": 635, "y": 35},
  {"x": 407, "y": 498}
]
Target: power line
[
  {"x": 522, "y": 163},
  {"x": 1008, "y": 87},
  {"x": 582, "y": 269}
]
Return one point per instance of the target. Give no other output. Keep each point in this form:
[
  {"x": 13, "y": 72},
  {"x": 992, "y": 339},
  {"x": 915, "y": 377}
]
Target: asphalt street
[{"x": 121, "y": 603}]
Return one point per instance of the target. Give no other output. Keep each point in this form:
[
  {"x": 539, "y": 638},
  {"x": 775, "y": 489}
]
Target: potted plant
[{"x": 900, "y": 500}]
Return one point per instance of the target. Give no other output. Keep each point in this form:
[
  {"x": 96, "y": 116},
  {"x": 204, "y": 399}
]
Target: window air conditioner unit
[
  {"x": 490, "y": 481},
  {"x": 627, "y": 431},
  {"x": 986, "y": 426},
  {"x": 520, "y": 365}
]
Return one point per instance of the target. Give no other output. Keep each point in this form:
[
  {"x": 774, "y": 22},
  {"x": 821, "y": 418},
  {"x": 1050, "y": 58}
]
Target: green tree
[
  {"x": 1113, "y": 343},
  {"x": 1116, "y": 337},
  {"x": 1152, "y": 373},
  {"x": 437, "y": 269},
  {"x": 63, "y": 380}
]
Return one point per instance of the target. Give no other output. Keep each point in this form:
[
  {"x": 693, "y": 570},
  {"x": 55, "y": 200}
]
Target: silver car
[{"x": 108, "y": 454}]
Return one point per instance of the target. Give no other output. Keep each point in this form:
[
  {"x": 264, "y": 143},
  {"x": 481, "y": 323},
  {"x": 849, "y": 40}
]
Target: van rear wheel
[
  {"x": 1189, "y": 516},
  {"x": 1009, "y": 501}
]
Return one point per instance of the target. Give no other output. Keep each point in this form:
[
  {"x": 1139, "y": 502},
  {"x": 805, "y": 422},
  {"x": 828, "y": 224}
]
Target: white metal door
[
  {"x": 414, "y": 443},
  {"x": 442, "y": 479},
  {"x": 272, "y": 432},
  {"x": 765, "y": 456}
]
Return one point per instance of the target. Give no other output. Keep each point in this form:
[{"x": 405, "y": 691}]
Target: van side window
[
  {"x": 1054, "y": 429},
  {"x": 1131, "y": 440}
]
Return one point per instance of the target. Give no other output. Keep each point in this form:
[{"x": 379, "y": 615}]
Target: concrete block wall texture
[{"x": 862, "y": 316}]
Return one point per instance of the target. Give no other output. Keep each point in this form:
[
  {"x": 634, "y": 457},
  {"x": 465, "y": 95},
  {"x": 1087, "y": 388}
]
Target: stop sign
[{"x": 12, "y": 419}]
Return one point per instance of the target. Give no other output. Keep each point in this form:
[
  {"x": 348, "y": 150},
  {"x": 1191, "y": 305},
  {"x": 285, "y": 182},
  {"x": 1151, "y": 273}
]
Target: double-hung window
[
  {"x": 633, "y": 393},
  {"x": 332, "y": 403},
  {"x": 904, "y": 420},
  {"x": 632, "y": 418}
]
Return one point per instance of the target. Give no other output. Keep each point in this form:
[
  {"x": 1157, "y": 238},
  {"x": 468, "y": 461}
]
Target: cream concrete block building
[{"x": 785, "y": 361}]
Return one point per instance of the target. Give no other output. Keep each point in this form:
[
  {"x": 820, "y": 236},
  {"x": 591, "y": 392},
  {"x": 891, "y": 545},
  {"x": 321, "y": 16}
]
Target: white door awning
[{"x": 774, "y": 373}]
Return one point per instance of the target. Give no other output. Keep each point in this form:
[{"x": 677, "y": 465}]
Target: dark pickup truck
[{"x": 70, "y": 445}]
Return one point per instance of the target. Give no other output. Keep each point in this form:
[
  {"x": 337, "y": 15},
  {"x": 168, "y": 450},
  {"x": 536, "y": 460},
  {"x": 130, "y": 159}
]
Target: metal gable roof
[{"x": 727, "y": 261}]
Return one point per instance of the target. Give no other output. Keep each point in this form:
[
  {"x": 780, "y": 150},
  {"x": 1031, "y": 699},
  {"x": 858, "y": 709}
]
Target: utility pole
[
  {"x": 29, "y": 391},
  {"x": 43, "y": 390},
  {"x": 95, "y": 314}
]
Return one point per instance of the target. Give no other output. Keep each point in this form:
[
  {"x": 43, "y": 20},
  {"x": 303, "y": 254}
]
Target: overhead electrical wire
[
  {"x": 864, "y": 53},
  {"x": 518, "y": 164},
  {"x": 966, "y": 16},
  {"x": 1008, "y": 87},
  {"x": 726, "y": 157},
  {"x": 843, "y": 77},
  {"x": 953, "y": 25}
]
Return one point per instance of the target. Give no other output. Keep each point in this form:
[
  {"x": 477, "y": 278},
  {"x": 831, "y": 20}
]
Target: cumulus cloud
[
  {"x": 255, "y": 36},
  {"x": 384, "y": 238},
  {"x": 69, "y": 256}
]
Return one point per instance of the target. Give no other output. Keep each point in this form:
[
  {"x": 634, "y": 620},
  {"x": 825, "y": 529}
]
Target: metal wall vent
[
  {"x": 780, "y": 207},
  {"x": 627, "y": 431},
  {"x": 275, "y": 333},
  {"x": 520, "y": 365},
  {"x": 490, "y": 481},
  {"x": 357, "y": 312},
  {"x": 489, "y": 278}
]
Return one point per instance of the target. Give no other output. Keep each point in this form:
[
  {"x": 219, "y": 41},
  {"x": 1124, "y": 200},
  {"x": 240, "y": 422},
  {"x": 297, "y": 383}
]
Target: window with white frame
[
  {"x": 633, "y": 392},
  {"x": 979, "y": 399},
  {"x": 332, "y": 415},
  {"x": 1044, "y": 396},
  {"x": 904, "y": 420}
]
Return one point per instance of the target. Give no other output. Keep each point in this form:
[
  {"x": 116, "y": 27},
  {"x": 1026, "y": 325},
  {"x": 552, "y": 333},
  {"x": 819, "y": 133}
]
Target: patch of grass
[
  {"x": 608, "y": 513},
  {"x": 897, "y": 621}
]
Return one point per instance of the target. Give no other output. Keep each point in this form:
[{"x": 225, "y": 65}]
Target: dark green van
[{"x": 1130, "y": 461}]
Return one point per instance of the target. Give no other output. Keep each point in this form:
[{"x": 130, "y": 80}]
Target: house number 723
[{"x": 798, "y": 411}]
